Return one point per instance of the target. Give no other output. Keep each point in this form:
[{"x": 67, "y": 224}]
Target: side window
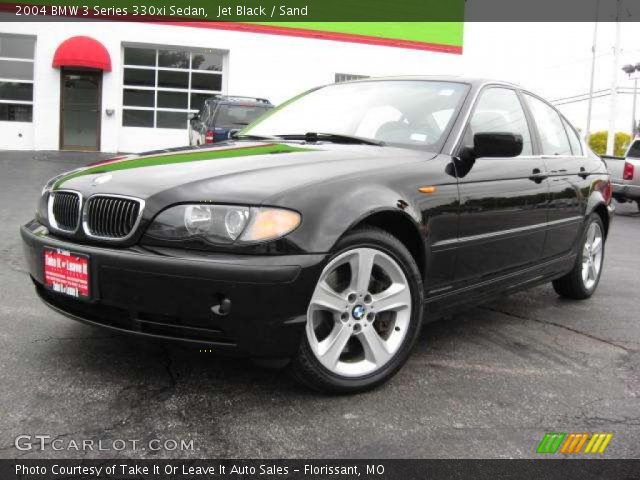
[
  {"x": 574, "y": 140},
  {"x": 203, "y": 113},
  {"x": 634, "y": 150},
  {"x": 552, "y": 134},
  {"x": 499, "y": 110},
  {"x": 213, "y": 113},
  {"x": 208, "y": 113}
]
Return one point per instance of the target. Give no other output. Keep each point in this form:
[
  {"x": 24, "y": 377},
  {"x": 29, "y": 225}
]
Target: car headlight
[{"x": 223, "y": 223}]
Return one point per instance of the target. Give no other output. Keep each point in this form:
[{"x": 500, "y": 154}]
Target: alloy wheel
[
  {"x": 592, "y": 255},
  {"x": 359, "y": 313}
]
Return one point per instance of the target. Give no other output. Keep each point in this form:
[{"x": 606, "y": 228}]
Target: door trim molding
[
  {"x": 504, "y": 233},
  {"x": 436, "y": 295}
]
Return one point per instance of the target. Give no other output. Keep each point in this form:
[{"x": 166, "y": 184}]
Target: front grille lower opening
[{"x": 125, "y": 319}]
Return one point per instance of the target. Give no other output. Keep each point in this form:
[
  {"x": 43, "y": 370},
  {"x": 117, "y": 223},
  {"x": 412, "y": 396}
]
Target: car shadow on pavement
[
  {"x": 484, "y": 332},
  {"x": 156, "y": 363}
]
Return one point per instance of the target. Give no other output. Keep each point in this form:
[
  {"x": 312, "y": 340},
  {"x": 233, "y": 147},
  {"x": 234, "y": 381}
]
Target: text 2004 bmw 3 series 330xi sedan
[{"x": 325, "y": 231}]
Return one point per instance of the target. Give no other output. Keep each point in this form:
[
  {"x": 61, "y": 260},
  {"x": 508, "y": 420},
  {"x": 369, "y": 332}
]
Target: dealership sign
[
  {"x": 419, "y": 24},
  {"x": 574, "y": 443},
  {"x": 443, "y": 37}
]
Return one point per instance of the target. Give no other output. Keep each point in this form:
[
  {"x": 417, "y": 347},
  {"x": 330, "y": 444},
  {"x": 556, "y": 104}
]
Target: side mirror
[
  {"x": 194, "y": 116},
  {"x": 497, "y": 144}
]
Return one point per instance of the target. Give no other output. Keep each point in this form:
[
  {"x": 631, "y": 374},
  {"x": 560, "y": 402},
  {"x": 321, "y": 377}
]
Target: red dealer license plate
[{"x": 66, "y": 272}]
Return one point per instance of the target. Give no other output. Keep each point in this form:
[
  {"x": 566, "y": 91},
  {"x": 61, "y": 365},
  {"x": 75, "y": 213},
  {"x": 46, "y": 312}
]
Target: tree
[{"x": 598, "y": 143}]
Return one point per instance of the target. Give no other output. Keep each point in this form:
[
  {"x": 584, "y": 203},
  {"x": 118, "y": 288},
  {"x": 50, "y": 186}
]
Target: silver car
[{"x": 625, "y": 174}]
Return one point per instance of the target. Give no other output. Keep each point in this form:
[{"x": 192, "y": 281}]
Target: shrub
[{"x": 598, "y": 143}]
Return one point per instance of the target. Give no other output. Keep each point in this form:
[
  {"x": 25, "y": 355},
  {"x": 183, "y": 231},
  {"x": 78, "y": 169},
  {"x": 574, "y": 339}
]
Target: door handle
[
  {"x": 583, "y": 173},
  {"x": 537, "y": 176}
]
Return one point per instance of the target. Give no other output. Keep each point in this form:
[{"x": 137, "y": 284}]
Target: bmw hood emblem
[{"x": 99, "y": 180}]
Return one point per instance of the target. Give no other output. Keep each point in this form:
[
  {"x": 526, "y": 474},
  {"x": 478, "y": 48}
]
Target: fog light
[{"x": 223, "y": 307}]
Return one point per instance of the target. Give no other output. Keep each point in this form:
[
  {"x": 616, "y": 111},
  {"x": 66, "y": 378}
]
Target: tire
[
  {"x": 574, "y": 284},
  {"x": 353, "y": 340}
]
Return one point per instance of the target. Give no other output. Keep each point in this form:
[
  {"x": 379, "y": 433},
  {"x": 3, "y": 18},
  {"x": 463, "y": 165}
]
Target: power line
[{"x": 597, "y": 94}]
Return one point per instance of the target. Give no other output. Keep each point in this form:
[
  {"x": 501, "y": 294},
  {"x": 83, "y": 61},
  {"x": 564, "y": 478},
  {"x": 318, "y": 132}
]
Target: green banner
[
  {"x": 422, "y": 24},
  {"x": 304, "y": 11}
]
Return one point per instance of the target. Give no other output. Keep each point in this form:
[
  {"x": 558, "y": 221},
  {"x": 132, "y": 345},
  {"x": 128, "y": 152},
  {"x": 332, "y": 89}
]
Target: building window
[
  {"x": 16, "y": 78},
  {"x": 161, "y": 86},
  {"x": 347, "y": 77}
]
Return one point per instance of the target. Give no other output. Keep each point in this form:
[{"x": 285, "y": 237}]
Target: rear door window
[
  {"x": 553, "y": 136},
  {"x": 574, "y": 140}
]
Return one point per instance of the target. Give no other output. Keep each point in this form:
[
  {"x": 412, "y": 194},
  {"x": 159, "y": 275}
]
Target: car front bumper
[{"x": 174, "y": 294}]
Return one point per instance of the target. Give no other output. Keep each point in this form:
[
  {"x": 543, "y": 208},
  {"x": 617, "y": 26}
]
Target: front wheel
[
  {"x": 363, "y": 317},
  {"x": 582, "y": 281}
]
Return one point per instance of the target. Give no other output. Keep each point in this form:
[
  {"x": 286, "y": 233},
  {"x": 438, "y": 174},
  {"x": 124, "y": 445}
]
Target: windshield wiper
[
  {"x": 312, "y": 137},
  {"x": 254, "y": 137}
]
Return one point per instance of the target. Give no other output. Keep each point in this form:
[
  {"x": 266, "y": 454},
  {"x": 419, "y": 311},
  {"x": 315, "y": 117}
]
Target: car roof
[
  {"x": 233, "y": 99},
  {"x": 474, "y": 81}
]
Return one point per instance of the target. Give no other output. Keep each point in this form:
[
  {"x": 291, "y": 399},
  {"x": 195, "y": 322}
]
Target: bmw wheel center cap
[{"x": 358, "y": 312}]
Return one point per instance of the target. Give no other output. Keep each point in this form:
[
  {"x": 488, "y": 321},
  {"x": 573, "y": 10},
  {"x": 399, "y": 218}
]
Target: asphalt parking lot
[{"x": 488, "y": 382}]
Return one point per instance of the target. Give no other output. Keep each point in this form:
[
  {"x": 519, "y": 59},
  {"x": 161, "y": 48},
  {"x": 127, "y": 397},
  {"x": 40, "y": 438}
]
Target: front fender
[{"x": 332, "y": 214}]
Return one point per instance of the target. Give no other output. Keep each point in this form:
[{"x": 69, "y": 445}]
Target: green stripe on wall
[{"x": 445, "y": 33}]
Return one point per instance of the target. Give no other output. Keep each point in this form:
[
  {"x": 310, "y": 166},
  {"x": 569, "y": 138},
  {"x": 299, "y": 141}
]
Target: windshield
[
  {"x": 238, "y": 115},
  {"x": 415, "y": 113}
]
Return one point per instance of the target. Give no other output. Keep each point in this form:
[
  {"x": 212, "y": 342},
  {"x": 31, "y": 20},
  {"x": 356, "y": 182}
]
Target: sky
[{"x": 554, "y": 60}]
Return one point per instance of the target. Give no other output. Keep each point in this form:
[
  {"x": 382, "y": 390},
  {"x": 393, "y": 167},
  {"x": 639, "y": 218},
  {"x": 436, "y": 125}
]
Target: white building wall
[
  {"x": 271, "y": 66},
  {"x": 16, "y": 136}
]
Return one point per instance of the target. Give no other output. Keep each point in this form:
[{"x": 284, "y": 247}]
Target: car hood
[{"x": 245, "y": 172}]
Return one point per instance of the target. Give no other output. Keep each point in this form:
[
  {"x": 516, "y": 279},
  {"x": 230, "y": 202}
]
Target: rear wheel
[
  {"x": 583, "y": 280},
  {"x": 364, "y": 315}
]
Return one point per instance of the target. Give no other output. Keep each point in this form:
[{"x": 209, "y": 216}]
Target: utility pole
[
  {"x": 633, "y": 71},
  {"x": 633, "y": 114},
  {"x": 593, "y": 71},
  {"x": 614, "y": 86}
]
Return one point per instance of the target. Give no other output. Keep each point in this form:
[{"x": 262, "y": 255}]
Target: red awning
[{"x": 82, "y": 52}]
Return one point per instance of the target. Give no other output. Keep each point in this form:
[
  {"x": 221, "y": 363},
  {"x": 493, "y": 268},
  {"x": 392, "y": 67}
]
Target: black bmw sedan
[{"x": 326, "y": 232}]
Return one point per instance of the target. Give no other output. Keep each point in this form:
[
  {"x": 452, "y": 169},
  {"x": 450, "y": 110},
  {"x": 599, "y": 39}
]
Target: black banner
[{"x": 373, "y": 469}]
